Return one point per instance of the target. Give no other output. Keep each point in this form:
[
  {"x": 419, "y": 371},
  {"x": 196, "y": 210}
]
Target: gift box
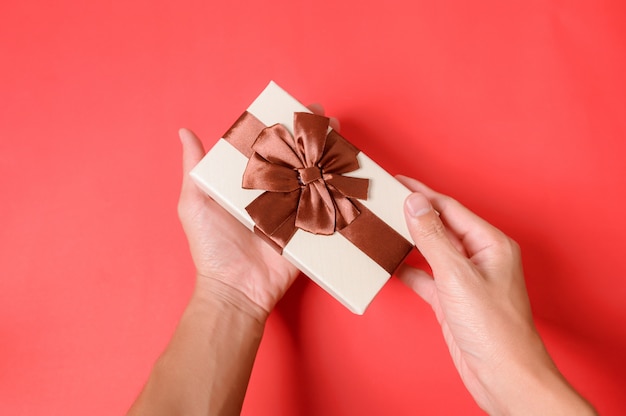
[{"x": 319, "y": 201}]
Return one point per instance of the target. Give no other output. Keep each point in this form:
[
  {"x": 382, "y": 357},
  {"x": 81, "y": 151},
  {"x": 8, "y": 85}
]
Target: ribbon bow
[{"x": 302, "y": 177}]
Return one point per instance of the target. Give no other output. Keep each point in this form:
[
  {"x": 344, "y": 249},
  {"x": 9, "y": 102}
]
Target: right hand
[{"x": 478, "y": 294}]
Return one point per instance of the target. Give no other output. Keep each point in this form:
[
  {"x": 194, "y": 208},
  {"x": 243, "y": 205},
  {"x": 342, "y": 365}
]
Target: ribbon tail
[
  {"x": 274, "y": 215},
  {"x": 348, "y": 186},
  {"x": 346, "y": 211},
  {"x": 316, "y": 209},
  {"x": 281, "y": 236}
]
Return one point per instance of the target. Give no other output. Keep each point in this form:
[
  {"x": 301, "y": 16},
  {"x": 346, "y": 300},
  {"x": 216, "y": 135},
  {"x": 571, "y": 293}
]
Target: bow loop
[
  {"x": 276, "y": 145},
  {"x": 309, "y": 131},
  {"x": 273, "y": 177}
]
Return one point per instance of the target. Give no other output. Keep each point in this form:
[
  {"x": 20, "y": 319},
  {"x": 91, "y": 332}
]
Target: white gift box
[{"x": 332, "y": 261}]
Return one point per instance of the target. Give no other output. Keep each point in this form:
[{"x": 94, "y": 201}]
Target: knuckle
[
  {"x": 432, "y": 230},
  {"x": 506, "y": 246},
  {"x": 515, "y": 247}
]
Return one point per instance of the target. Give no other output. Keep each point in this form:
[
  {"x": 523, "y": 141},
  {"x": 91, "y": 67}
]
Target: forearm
[
  {"x": 206, "y": 367},
  {"x": 544, "y": 393},
  {"x": 529, "y": 383}
]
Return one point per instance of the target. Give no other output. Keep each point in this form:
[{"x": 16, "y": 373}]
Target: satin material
[
  {"x": 303, "y": 174},
  {"x": 305, "y": 187}
]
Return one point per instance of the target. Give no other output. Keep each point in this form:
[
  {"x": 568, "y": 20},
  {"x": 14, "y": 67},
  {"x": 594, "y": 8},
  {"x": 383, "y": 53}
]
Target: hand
[
  {"x": 207, "y": 364},
  {"x": 223, "y": 250},
  {"x": 480, "y": 300},
  {"x": 230, "y": 260}
]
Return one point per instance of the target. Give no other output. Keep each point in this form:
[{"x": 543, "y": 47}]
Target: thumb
[
  {"x": 428, "y": 232},
  {"x": 193, "y": 152}
]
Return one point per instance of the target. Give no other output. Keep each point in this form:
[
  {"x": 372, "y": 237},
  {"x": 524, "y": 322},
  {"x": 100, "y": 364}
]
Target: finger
[
  {"x": 474, "y": 233},
  {"x": 415, "y": 185},
  {"x": 334, "y": 123},
  {"x": 418, "y": 280},
  {"x": 193, "y": 152},
  {"x": 456, "y": 242},
  {"x": 318, "y": 109},
  {"x": 429, "y": 234}
]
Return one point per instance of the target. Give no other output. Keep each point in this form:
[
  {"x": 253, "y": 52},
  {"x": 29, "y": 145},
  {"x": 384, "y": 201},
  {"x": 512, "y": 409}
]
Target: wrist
[
  {"x": 215, "y": 293},
  {"x": 532, "y": 384},
  {"x": 546, "y": 391},
  {"x": 206, "y": 367}
]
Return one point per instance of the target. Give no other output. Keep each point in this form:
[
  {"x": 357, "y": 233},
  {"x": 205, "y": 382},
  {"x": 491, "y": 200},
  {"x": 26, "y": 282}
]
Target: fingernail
[{"x": 418, "y": 205}]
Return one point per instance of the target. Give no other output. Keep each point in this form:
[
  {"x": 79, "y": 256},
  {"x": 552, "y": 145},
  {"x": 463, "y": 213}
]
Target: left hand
[{"x": 228, "y": 256}]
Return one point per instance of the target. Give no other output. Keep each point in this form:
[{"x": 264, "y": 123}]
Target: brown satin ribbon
[{"x": 305, "y": 187}]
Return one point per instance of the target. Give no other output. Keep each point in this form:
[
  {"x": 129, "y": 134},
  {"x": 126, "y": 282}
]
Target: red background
[{"x": 515, "y": 108}]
